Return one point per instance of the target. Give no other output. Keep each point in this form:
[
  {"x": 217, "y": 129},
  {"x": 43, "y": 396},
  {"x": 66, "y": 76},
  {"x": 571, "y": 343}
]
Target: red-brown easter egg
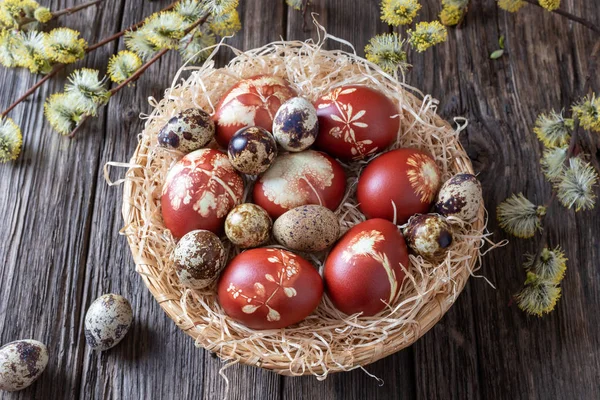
[
  {"x": 250, "y": 102},
  {"x": 297, "y": 179},
  {"x": 355, "y": 122},
  {"x": 401, "y": 182},
  {"x": 199, "y": 192},
  {"x": 365, "y": 269},
  {"x": 269, "y": 288}
]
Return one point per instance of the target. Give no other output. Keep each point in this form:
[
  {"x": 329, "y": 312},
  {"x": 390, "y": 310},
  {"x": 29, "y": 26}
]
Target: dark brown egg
[
  {"x": 189, "y": 130},
  {"x": 252, "y": 150},
  {"x": 428, "y": 235}
]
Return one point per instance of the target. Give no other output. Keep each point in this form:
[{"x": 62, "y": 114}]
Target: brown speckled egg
[
  {"x": 296, "y": 125},
  {"x": 248, "y": 225},
  {"x": 199, "y": 258},
  {"x": 428, "y": 235},
  {"x": 189, "y": 130},
  {"x": 460, "y": 197},
  {"x": 21, "y": 363},
  {"x": 252, "y": 150},
  {"x": 107, "y": 321},
  {"x": 307, "y": 228}
]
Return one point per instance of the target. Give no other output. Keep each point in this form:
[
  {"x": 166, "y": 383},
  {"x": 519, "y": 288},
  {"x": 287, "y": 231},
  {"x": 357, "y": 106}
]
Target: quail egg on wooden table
[
  {"x": 189, "y": 130},
  {"x": 198, "y": 258},
  {"x": 250, "y": 102},
  {"x": 398, "y": 184},
  {"x": 107, "y": 321},
  {"x": 307, "y": 228},
  {"x": 269, "y": 288},
  {"x": 199, "y": 191},
  {"x": 296, "y": 125},
  {"x": 248, "y": 225},
  {"x": 252, "y": 150},
  {"x": 21, "y": 363},
  {"x": 428, "y": 235},
  {"x": 296, "y": 179},
  {"x": 460, "y": 196}
]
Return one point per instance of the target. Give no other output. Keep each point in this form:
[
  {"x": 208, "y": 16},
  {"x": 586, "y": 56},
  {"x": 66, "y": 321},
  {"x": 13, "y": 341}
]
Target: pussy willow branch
[
  {"x": 572, "y": 149},
  {"x": 575, "y": 18},
  {"x": 59, "y": 67},
  {"x": 142, "y": 69},
  {"x": 68, "y": 11}
]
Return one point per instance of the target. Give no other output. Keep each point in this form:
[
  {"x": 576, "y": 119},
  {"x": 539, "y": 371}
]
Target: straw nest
[{"x": 327, "y": 341}]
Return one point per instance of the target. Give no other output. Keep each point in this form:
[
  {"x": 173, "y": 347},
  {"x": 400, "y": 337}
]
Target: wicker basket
[{"x": 369, "y": 339}]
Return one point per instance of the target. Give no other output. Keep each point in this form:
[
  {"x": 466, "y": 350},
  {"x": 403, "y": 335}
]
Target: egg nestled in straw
[
  {"x": 198, "y": 259},
  {"x": 296, "y": 125},
  {"x": 252, "y": 150},
  {"x": 308, "y": 228},
  {"x": 428, "y": 235},
  {"x": 248, "y": 225},
  {"x": 189, "y": 130},
  {"x": 461, "y": 197}
]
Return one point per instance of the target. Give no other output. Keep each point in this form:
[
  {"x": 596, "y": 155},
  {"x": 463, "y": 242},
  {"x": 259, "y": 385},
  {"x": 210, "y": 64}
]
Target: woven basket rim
[{"x": 427, "y": 316}]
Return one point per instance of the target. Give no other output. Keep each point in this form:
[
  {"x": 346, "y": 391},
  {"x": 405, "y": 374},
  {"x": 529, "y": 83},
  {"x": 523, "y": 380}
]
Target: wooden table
[{"x": 60, "y": 246}]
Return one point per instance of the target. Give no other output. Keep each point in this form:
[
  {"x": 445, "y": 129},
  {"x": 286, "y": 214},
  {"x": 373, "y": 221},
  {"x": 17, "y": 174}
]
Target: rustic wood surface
[{"x": 60, "y": 246}]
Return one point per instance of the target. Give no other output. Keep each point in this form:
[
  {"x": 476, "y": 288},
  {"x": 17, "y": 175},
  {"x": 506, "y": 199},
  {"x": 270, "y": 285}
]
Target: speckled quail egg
[
  {"x": 107, "y": 321},
  {"x": 251, "y": 150},
  {"x": 248, "y": 225},
  {"x": 307, "y": 228},
  {"x": 199, "y": 258},
  {"x": 296, "y": 125},
  {"x": 21, "y": 363},
  {"x": 428, "y": 235},
  {"x": 460, "y": 197},
  {"x": 189, "y": 130}
]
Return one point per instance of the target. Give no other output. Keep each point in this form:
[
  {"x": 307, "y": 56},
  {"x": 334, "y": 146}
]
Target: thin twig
[
  {"x": 59, "y": 67},
  {"x": 74, "y": 9},
  {"x": 575, "y": 18},
  {"x": 141, "y": 70}
]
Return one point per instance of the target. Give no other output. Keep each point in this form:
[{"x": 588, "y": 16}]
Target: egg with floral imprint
[
  {"x": 460, "y": 196},
  {"x": 365, "y": 269},
  {"x": 189, "y": 130},
  {"x": 250, "y": 102},
  {"x": 198, "y": 259},
  {"x": 252, "y": 150},
  {"x": 21, "y": 363},
  {"x": 398, "y": 184},
  {"x": 199, "y": 191},
  {"x": 107, "y": 321},
  {"x": 356, "y": 122},
  {"x": 269, "y": 288},
  {"x": 308, "y": 228},
  {"x": 296, "y": 179},
  {"x": 248, "y": 225},
  {"x": 429, "y": 236},
  {"x": 296, "y": 125}
]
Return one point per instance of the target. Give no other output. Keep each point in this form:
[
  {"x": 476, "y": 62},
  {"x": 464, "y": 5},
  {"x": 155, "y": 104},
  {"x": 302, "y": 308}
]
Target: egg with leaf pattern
[{"x": 269, "y": 288}]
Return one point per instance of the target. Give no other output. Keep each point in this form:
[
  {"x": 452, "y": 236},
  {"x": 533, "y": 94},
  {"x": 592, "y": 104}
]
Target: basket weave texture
[{"x": 327, "y": 341}]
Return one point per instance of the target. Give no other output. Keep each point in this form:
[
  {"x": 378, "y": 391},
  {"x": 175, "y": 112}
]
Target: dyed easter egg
[
  {"x": 365, "y": 269},
  {"x": 198, "y": 259},
  {"x": 307, "y": 228},
  {"x": 250, "y": 102},
  {"x": 248, "y": 225},
  {"x": 355, "y": 122},
  {"x": 269, "y": 288},
  {"x": 296, "y": 125},
  {"x": 461, "y": 197},
  {"x": 428, "y": 235},
  {"x": 398, "y": 183},
  {"x": 199, "y": 191},
  {"x": 107, "y": 321},
  {"x": 21, "y": 363},
  {"x": 252, "y": 150},
  {"x": 296, "y": 179},
  {"x": 189, "y": 130}
]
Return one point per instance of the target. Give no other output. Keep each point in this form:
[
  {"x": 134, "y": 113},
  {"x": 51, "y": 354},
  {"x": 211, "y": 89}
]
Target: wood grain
[{"x": 60, "y": 247}]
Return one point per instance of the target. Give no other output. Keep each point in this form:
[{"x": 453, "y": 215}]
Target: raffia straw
[{"x": 326, "y": 341}]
